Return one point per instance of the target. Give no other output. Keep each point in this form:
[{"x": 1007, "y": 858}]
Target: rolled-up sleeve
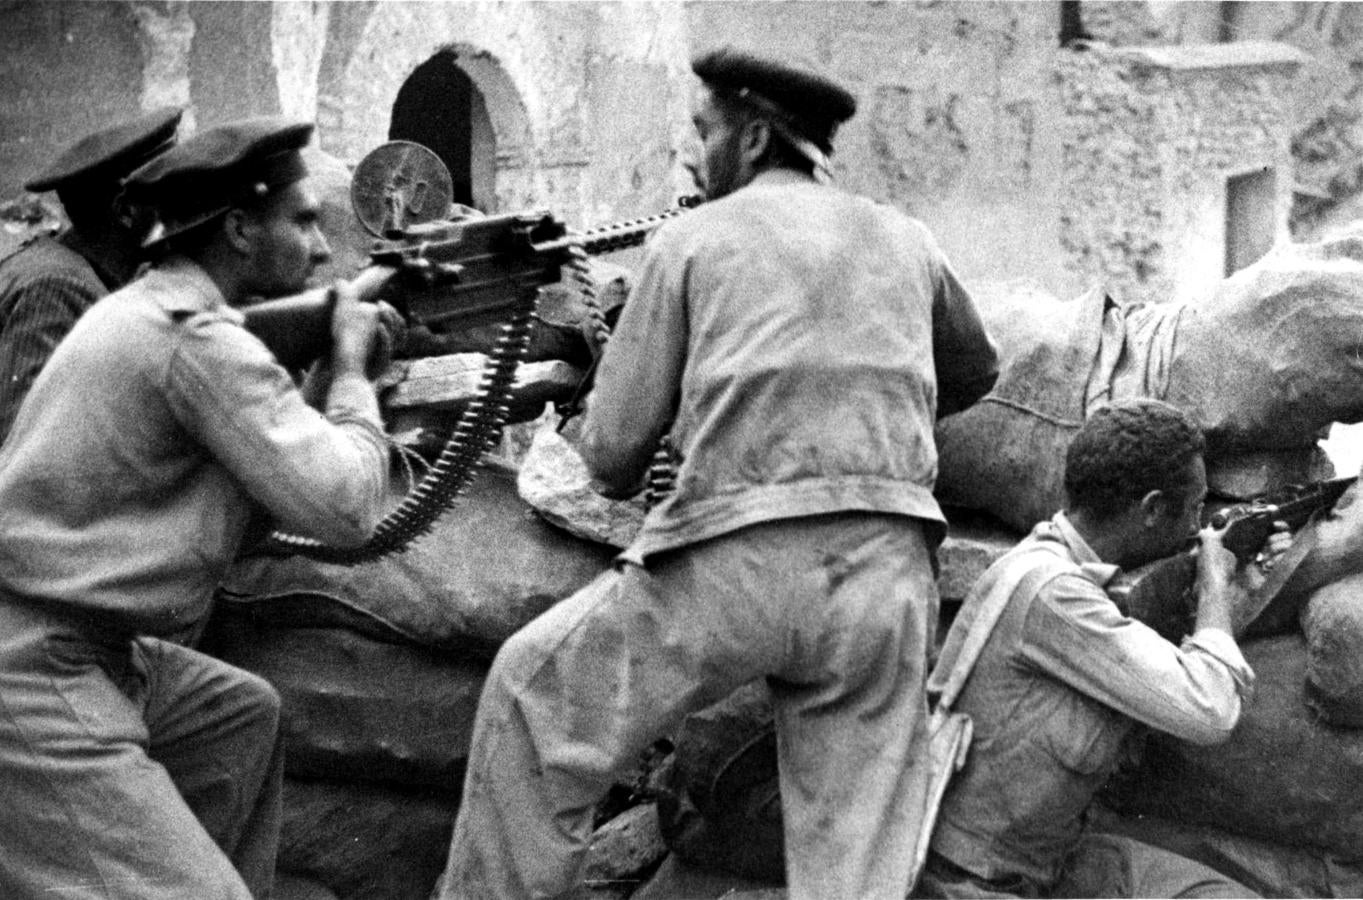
[
  {"x": 321, "y": 475},
  {"x": 1195, "y": 691},
  {"x": 638, "y": 383}
]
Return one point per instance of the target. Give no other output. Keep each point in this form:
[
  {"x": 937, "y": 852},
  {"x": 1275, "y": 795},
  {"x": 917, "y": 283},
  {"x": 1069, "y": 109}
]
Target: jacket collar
[
  {"x": 182, "y": 286},
  {"x": 1060, "y": 529}
]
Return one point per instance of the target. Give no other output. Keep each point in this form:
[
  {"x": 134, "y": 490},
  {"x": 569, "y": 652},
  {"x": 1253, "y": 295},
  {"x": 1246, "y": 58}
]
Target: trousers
[
  {"x": 836, "y": 613},
  {"x": 131, "y": 767},
  {"x": 1101, "y": 865}
]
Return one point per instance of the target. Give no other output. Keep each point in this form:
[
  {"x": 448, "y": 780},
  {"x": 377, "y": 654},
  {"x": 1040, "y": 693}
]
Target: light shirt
[
  {"x": 1062, "y": 681},
  {"x": 147, "y": 441},
  {"x": 789, "y": 339}
]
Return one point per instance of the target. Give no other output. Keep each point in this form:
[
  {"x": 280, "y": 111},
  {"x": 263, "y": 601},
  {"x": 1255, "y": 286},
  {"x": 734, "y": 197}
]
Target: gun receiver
[
  {"x": 452, "y": 274},
  {"x": 1248, "y": 525},
  {"x": 1163, "y": 596}
]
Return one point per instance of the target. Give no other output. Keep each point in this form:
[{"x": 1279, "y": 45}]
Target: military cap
[
  {"x": 219, "y": 169},
  {"x": 111, "y": 153},
  {"x": 792, "y": 93}
]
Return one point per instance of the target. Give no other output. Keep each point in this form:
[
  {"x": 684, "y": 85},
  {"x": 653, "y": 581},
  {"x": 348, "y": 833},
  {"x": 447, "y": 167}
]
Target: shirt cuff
[
  {"x": 1222, "y": 647},
  {"x": 351, "y": 399}
]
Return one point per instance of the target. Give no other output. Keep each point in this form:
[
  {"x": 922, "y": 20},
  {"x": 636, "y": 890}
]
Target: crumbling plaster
[
  {"x": 959, "y": 120},
  {"x": 1151, "y": 138},
  {"x": 963, "y": 117}
]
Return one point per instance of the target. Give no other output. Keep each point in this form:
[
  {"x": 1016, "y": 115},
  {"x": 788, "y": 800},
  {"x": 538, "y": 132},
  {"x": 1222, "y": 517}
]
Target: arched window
[{"x": 439, "y": 107}]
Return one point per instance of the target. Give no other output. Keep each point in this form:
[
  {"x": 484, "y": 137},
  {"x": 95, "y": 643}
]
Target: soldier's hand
[
  {"x": 1215, "y": 564},
  {"x": 363, "y": 333},
  {"x": 1255, "y": 573},
  {"x": 370, "y": 283}
]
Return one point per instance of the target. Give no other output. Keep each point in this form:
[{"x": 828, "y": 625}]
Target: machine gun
[
  {"x": 1163, "y": 596},
  {"x": 450, "y": 273},
  {"x": 453, "y": 274}
]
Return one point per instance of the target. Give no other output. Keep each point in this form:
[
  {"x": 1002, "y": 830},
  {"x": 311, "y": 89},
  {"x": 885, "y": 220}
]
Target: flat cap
[
  {"x": 218, "y": 169},
  {"x": 111, "y": 153},
  {"x": 814, "y": 104}
]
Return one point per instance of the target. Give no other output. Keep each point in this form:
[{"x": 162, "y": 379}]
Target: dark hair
[
  {"x": 88, "y": 204},
  {"x": 1126, "y": 450},
  {"x": 779, "y": 152}
]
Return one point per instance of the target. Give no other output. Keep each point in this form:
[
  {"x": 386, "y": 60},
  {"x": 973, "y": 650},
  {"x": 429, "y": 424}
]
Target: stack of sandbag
[
  {"x": 1284, "y": 778},
  {"x": 1322, "y": 600},
  {"x": 1332, "y": 622},
  {"x": 1264, "y": 364},
  {"x": 380, "y": 666}
]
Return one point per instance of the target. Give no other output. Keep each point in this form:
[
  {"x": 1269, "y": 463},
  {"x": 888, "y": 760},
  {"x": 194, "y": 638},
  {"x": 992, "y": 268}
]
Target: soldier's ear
[
  {"x": 239, "y": 227},
  {"x": 755, "y": 138},
  {"x": 1155, "y": 507}
]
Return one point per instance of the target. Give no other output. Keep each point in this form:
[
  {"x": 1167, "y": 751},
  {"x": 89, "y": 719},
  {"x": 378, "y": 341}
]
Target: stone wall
[
  {"x": 972, "y": 116},
  {"x": 583, "y": 97},
  {"x": 959, "y": 119},
  {"x": 1153, "y": 138}
]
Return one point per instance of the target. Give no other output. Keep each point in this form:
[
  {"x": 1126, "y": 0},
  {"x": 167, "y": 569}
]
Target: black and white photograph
[{"x": 680, "y": 449}]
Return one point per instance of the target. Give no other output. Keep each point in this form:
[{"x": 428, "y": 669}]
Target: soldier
[
  {"x": 47, "y": 284},
  {"x": 1065, "y": 677},
  {"x": 795, "y": 343},
  {"x": 132, "y": 766}
]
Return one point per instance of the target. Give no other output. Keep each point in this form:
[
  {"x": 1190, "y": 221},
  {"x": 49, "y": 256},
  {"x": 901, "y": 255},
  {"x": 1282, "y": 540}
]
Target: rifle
[{"x": 1162, "y": 594}]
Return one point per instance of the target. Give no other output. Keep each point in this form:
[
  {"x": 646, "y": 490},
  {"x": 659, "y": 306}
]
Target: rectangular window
[{"x": 1250, "y": 222}]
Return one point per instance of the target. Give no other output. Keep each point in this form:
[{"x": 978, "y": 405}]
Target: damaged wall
[
  {"x": 959, "y": 119},
  {"x": 973, "y": 118},
  {"x": 1161, "y": 144}
]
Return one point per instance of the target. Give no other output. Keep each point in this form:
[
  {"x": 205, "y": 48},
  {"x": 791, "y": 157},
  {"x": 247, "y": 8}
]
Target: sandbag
[
  {"x": 488, "y": 567},
  {"x": 364, "y": 841},
  {"x": 1270, "y": 358},
  {"x": 1283, "y": 776},
  {"x": 1332, "y": 622},
  {"x": 357, "y": 708},
  {"x": 1264, "y": 365},
  {"x": 1006, "y": 453}
]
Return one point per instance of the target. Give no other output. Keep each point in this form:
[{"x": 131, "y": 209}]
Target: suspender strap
[{"x": 1020, "y": 571}]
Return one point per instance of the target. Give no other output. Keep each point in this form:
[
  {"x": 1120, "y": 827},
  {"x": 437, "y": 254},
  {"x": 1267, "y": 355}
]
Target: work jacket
[{"x": 793, "y": 342}]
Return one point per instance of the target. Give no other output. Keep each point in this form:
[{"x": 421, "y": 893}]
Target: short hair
[
  {"x": 89, "y": 205},
  {"x": 1126, "y": 450}
]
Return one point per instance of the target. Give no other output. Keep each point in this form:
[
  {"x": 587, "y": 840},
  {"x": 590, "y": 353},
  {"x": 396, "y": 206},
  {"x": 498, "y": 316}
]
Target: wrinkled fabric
[
  {"x": 1060, "y": 684},
  {"x": 793, "y": 342},
  {"x": 149, "y": 438},
  {"x": 836, "y": 612},
  {"x": 44, "y": 288},
  {"x": 131, "y": 769},
  {"x": 1101, "y": 865}
]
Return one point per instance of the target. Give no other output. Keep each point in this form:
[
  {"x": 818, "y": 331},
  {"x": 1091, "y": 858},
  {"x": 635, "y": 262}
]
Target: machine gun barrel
[{"x": 452, "y": 274}]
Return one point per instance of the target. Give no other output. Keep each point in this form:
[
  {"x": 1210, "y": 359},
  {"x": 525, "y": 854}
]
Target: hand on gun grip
[
  {"x": 364, "y": 334},
  {"x": 1255, "y": 573},
  {"x": 1216, "y": 564}
]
